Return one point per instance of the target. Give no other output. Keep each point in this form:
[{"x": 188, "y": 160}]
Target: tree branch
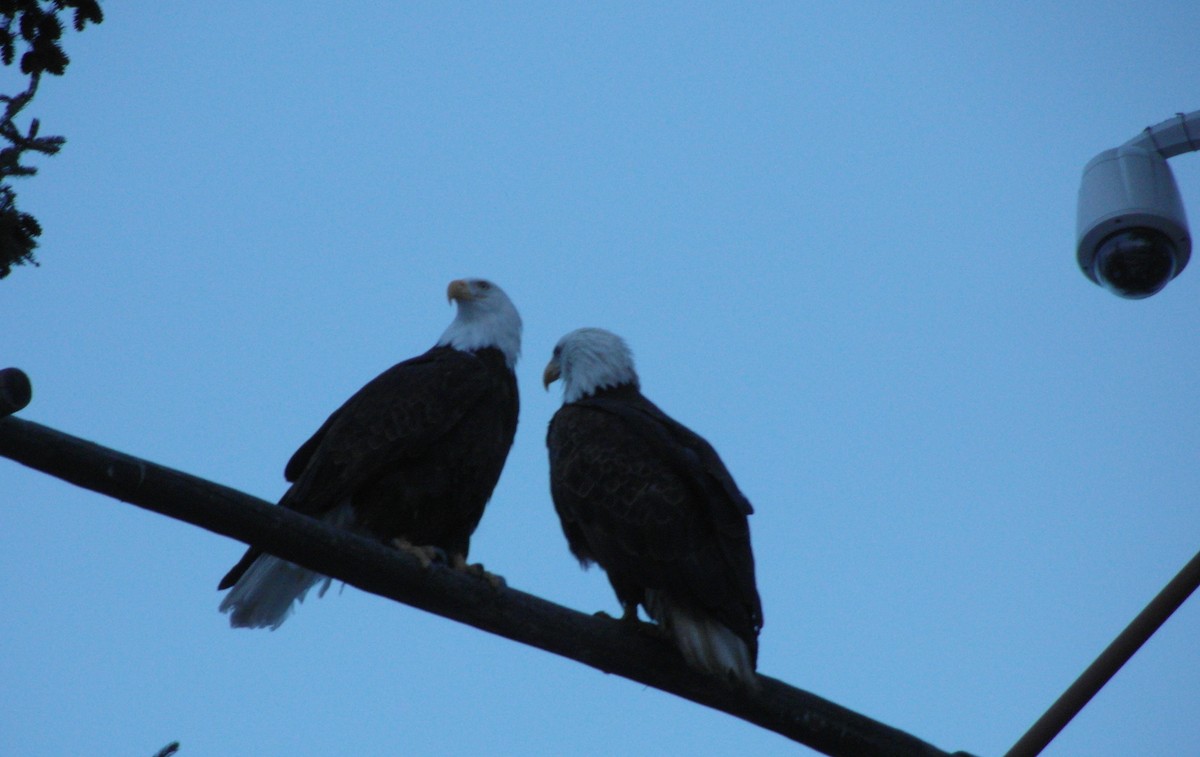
[{"x": 603, "y": 643}]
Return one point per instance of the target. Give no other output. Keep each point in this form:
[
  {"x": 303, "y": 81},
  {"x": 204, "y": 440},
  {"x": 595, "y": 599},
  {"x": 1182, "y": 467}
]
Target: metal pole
[
  {"x": 1109, "y": 662},
  {"x": 15, "y": 391}
]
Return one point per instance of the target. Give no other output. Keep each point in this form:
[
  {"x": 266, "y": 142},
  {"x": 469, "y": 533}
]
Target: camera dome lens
[{"x": 1135, "y": 263}]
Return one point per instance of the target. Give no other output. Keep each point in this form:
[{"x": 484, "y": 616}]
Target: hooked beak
[
  {"x": 551, "y": 374},
  {"x": 459, "y": 290}
]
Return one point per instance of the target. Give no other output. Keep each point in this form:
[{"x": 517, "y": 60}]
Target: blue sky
[{"x": 838, "y": 237}]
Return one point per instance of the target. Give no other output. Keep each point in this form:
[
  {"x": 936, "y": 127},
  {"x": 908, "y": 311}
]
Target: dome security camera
[{"x": 1131, "y": 228}]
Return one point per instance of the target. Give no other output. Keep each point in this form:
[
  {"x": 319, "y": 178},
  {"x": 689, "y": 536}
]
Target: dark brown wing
[
  {"x": 386, "y": 436},
  {"x": 652, "y": 502},
  {"x": 396, "y": 417}
]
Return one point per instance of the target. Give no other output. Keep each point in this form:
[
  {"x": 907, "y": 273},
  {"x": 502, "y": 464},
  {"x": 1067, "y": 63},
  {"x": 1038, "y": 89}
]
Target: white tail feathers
[
  {"x": 265, "y": 594},
  {"x": 705, "y": 643}
]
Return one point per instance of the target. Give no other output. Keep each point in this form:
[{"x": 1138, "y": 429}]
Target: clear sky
[{"x": 838, "y": 237}]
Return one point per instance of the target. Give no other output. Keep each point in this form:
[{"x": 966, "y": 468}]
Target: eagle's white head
[
  {"x": 486, "y": 318},
  {"x": 588, "y": 360}
]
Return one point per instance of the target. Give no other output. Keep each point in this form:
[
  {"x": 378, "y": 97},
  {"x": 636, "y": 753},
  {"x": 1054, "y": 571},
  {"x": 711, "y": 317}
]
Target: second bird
[{"x": 652, "y": 503}]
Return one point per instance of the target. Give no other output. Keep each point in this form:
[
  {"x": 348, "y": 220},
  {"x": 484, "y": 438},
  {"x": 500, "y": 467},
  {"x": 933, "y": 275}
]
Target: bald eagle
[
  {"x": 652, "y": 503},
  {"x": 412, "y": 457}
]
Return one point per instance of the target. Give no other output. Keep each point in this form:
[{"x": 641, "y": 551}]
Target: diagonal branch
[{"x": 602, "y": 643}]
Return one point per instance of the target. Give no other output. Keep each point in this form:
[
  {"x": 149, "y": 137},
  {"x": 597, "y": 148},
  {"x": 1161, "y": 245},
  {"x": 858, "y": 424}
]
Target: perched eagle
[
  {"x": 652, "y": 503},
  {"x": 412, "y": 457}
]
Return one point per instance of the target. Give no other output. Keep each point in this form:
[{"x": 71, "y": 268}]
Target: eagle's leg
[
  {"x": 458, "y": 561},
  {"x": 427, "y": 555},
  {"x": 628, "y": 616}
]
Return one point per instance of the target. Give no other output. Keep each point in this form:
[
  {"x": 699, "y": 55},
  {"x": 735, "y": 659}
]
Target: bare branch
[{"x": 603, "y": 643}]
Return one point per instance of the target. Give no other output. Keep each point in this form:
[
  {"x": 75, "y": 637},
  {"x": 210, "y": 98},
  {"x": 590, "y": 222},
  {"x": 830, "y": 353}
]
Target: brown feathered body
[
  {"x": 414, "y": 455},
  {"x": 652, "y": 503}
]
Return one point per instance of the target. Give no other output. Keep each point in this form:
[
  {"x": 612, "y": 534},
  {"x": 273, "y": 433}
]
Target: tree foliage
[{"x": 34, "y": 29}]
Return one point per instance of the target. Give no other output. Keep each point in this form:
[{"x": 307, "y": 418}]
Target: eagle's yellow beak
[
  {"x": 551, "y": 374},
  {"x": 459, "y": 290}
]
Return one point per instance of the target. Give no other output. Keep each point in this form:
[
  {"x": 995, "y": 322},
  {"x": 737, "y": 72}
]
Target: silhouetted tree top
[{"x": 33, "y": 28}]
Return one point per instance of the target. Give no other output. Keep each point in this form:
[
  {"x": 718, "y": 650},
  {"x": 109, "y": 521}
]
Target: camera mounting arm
[{"x": 1172, "y": 137}]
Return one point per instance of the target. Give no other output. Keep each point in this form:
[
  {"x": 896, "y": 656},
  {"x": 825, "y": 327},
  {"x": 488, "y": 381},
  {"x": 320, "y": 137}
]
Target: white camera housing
[{"x": 1131, "y": 227}]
